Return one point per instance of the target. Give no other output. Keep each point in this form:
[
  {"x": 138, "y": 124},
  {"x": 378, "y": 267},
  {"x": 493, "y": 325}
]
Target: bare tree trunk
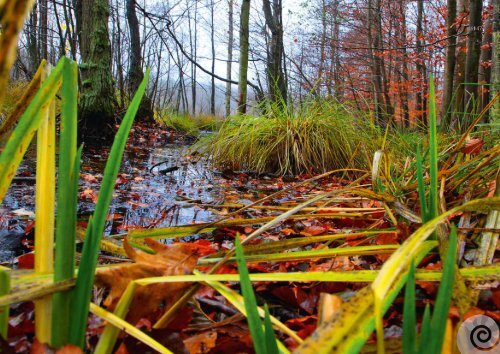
[
  {"x": 212, "y": 39},
  {"x": 473, "y": 54},
  {"x": 229, "y": 56},
  {"x": 44, "y": 24},
  {"x": 33, "y": 54},
  {"x": 450, "y": 62},
  {"x": 421, "y": 67},
  {"x": 117, "y": 39},
  {"x": 459, "y": 78},
  {"x": 496, "y": 60},
  {"x": 402, "y": 67},
  {"x": 484, "y": 75},
  {"x": 243, "y": 75},
  {"x": 135, "y": 74},
  {"x": 275, "y": 75},
  {"x": 375, "y": 67}
]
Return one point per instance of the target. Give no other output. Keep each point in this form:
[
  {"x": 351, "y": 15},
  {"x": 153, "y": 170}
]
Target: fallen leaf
[
  {"x": 42, "y": 348},
  {"x": 24, "y": 212},
  {"x": 26, "y": 261},
  {"x": 201, "y": 343},
  {"x": 313, "y": 230},
  {"x": 473, "y": 146},
  {"x": 177, "y": 259}
]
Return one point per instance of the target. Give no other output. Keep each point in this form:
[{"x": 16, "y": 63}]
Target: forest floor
[{"x": 161, "y": 184}]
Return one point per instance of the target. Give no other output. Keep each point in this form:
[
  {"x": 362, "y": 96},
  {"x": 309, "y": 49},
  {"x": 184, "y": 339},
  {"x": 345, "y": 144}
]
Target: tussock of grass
[
  {"x": 13, "y": 93},
  {"x": 317, "y": 138},
  {"x": 188, "y": 124}
]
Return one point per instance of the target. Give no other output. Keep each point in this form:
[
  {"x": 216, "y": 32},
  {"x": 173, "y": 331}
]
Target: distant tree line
[{"x": 371, "y": 54}]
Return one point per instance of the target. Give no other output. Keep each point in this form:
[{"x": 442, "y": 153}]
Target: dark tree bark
[
  {"x": 496, "y": 59},
  {"x": 402, "y": 76},
  {"x": 243, "y": 75},
  {"x": 43, "y": 31},
  {"x": 450, "y": 63},
  {"x": 96, "y": 110},
  {"x": 229, "y": 56},
  {"x": 212, "y": 41},
  {"x": 32, "y": 37},
  {"x": 458, "y": 80},
  {"x": 275, "y": 75},
  {"x": 484, "y": 75},
  {"x": 373, "y": 43},
  {"x": 135, "y": 73},
  {"x": 421, "y": 96},
  {"x": 473, "y": 53}
]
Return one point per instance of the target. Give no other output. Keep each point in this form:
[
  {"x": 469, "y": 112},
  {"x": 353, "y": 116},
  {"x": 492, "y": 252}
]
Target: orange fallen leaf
[
  {"x": 176, "y": 259},
  {"x": 201, "y": 343},
  {"x": 42, "y": 348},
  {"x": 313, "y": 230}
]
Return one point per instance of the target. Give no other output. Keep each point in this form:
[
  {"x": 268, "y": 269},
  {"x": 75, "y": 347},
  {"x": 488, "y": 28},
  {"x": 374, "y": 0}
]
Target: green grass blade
[
  {"x": 25, "y": 130},
  {"x": 254, "y": 323},
  {"x": 69, "y": 168},
  {"x": 85, "y": 279},
  {"x": 443, "y": 300},
  {"x": 271, "y": 345},
  {"x": 433, "y": 155},
  {"x": 409, "y": 315},
  {"x": 425, "y": 332},
  {"x": 421, "y": 187},
  {"x": 4, "y": 310}
]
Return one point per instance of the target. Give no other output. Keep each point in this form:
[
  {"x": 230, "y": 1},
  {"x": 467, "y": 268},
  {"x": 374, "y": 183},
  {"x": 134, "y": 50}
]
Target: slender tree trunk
[
  {"x": 421, "y": 96},
  {"x": 119, "y": 60},
  {"x": 212, "y": 39},
  {"x": 229, "y": 56},
  {"x": 243, "y": 75},
  {"x": 195, "y": 57},
  {"x": 375, "y": 66},
  {"x": 472, "y": 59},
  {"x": 33, "y": 54},
  {"x": 135, "y": 74},
  {"x": 275, "y": 75},
  {"x": 44, "y": 24},
  {"x": 495, "y": 79},
  {"x": 484, "y": 75},
  {"x": 96, "y": 111},
  {"x": 458, "y": 80},
  {"x": 322, "y": 51},
  {"x": 450, "y": 63},
  {"x": 402, "y": 67}
]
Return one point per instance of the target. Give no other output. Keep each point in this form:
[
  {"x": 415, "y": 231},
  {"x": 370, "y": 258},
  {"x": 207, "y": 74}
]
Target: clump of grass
[
  {"x": 316, "y": 138},
  {"x": 13, "y": 93},
  {"x": 188, "y": 124}
]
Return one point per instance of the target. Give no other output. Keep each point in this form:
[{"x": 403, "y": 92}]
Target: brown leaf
[
  {"x": 473, "y": 146},
  {"x": 313, "y": 230},
  {"x": 42, "y": 348},
  {"x": 176, "y": 259},
  {"x": 201, "y": 343}
]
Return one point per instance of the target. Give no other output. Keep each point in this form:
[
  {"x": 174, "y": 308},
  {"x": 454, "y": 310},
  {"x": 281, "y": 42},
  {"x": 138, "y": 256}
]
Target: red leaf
[
  {"x": 26, "y": 261},
  {"x": 473, "y": 146}
]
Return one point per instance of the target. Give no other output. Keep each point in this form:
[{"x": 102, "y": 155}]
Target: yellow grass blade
[
  {"x": 398, "y": 263},
  {"x": 44, "y": 217},
  {"x": 128, "y": 328}
]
